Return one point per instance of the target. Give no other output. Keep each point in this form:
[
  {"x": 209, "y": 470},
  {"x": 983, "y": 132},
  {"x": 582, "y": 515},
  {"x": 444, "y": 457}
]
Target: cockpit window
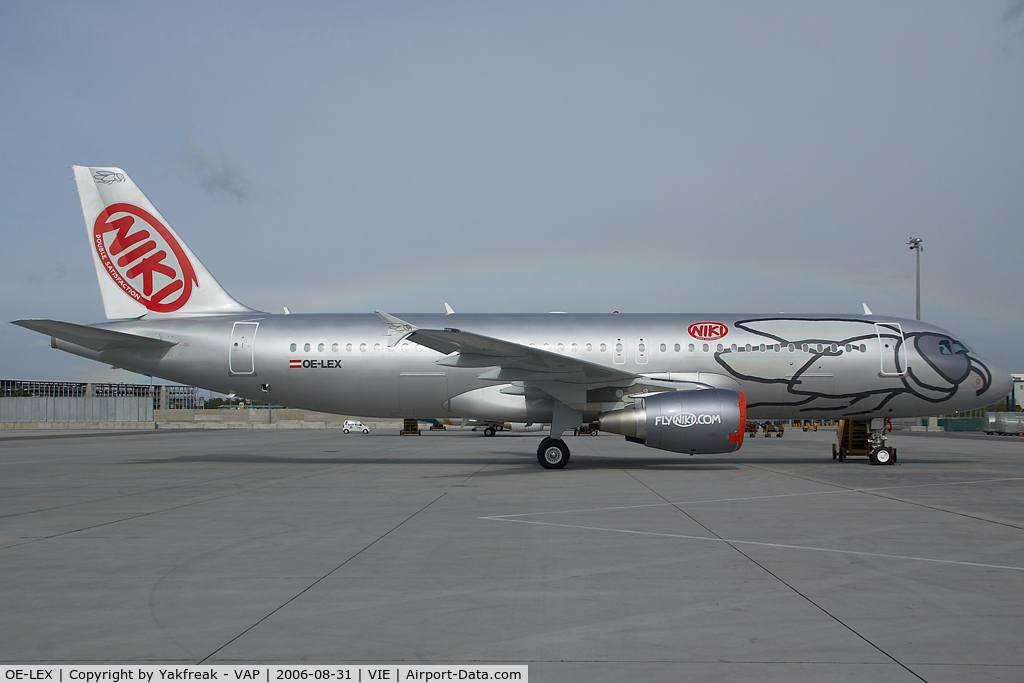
[{"x": 948, "y": 347}]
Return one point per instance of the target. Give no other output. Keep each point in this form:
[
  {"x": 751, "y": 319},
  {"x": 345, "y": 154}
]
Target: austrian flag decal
[
  {"x": 141, "y": 256},
  {"x": 332, "y": 364}
]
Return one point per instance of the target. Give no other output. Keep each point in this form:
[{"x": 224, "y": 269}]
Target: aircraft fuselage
[{"x": 788, "y": 366}]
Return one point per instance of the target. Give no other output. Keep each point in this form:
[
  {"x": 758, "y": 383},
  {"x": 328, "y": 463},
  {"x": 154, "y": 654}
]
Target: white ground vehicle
[
  {"x": 1004, "y": 423},
  {"x": 355, "y": 426}
]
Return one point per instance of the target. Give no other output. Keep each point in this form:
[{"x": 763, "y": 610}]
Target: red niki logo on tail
[
  {"x": 140, "y": 253},
  {"x": 708, "y": 331}
]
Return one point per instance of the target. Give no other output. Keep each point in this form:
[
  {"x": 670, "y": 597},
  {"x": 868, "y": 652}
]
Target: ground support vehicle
[
  {"x": 862, "y": 439},
  {"x": 1004, "y": 423},
  {"x": 355, "y": 426}
]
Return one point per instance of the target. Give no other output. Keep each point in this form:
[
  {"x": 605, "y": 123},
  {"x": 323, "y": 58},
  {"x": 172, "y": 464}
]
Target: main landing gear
[{"x": 552, "y": 454}]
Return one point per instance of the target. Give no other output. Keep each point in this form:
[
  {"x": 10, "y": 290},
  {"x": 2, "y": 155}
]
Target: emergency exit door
[{"x": 240, "y": 353}]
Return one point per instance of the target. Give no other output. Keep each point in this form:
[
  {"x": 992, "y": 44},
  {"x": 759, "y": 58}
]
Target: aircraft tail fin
[{"x": 142, "y": 265}]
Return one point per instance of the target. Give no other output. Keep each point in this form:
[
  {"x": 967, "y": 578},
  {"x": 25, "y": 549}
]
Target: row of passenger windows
[{"x": 603, "y": 348}]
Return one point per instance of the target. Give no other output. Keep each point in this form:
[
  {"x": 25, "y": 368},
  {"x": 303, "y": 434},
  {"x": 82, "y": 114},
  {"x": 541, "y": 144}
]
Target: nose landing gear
[{"x": 880, "y": 453}]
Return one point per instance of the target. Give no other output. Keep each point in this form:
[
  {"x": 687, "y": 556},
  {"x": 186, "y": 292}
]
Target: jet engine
[{"x": 699, "y": 421}]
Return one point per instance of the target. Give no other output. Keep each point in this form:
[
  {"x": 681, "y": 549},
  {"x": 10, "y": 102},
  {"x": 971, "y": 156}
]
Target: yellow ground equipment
[
  {"x": 410, "y": 426},
  {"x": 853, "y": 440}
]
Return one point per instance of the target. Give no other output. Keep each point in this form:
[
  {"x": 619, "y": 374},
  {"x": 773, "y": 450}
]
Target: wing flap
[{"x": 510, "y": 361}]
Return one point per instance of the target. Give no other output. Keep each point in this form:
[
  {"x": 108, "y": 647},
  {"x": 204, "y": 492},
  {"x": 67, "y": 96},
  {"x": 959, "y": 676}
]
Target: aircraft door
[
  {"x": 642, "y": 349},
  {"x": 240, "y": 353},
  {"x": 892, "y": 348}
]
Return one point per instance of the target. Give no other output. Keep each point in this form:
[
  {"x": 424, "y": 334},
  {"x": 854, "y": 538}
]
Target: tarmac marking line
[
  {"x": 763, "y": 544},
  {"x": 749, "y": 498}
]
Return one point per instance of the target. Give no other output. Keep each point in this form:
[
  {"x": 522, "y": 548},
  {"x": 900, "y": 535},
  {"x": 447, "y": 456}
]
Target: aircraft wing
[
  {"x": 508, "y": 361},
  {"x": 94, "y": 338}
]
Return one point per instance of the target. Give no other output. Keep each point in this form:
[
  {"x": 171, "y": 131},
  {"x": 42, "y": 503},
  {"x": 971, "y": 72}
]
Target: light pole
[{"x": 915, "y": 245}]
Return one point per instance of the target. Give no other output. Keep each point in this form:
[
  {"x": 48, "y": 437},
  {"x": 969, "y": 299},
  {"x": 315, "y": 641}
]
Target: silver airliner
[{"x": 681, "y": 383}]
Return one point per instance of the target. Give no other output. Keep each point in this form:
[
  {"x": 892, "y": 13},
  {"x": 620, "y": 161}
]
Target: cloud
[
  {"x": 1014, "y": 11},
  {"x": 214, "y": 170}
]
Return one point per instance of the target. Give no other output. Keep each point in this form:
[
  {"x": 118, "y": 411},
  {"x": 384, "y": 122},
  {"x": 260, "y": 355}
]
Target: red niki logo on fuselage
[
  {"x": 140, "y": 253},
  {"x": 708, "y": 331}
]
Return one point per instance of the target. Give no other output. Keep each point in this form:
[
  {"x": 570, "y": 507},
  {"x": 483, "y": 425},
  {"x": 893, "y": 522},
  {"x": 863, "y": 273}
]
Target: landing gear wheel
[
  {"x": 552, "y": 454},
  {"x": 881, "y": 456},
  {"x": 489, "y": 431}
]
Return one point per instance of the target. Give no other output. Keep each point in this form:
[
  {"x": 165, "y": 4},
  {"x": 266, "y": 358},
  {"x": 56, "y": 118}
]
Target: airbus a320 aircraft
[{"x": 680, "y": 383}]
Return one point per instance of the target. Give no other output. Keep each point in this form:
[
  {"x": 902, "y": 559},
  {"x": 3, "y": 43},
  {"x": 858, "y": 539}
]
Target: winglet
[
  {"x": 448, "y": 310},
  {"x": 398, "y": 329},
  {"x": 867, "y": 311}
]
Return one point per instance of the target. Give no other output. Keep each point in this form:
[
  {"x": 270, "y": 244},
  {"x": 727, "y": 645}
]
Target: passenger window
[
  {"x": 863, "y": 348},
  {"x": 603, "y": 348},
  {"x": 376, "y": 348},
  {"x": 348, "y": 347},
  {"x": 305, "y": 347},
  {"x": 792, "y": 348},
  {"x": 849, "y": 347},
  {"x": 664, "y": 348},
  {"x": 720, "y": 348},
  {"x": 320, "y": 348},
  {"x": 705, "y": 347},
  {"x": 292, "y": 347},
  {"x": 835, "y": 348},
  {"x": 575, "y": 348},
  {"x": 334, "y": 347},
  {"x": 362, "y": 347},
  {"x": 763, "y": 348},
  {"x": 589, "y": 348},
  {"x": 618, "y": 348},
  {"x": 559, "y": 347}
]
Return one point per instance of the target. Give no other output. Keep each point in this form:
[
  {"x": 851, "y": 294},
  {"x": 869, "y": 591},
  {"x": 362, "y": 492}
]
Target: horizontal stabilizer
[{"x": 93, "y": 338}]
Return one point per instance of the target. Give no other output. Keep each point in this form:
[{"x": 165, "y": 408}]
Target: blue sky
[{"x": 676, "y": 157}]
